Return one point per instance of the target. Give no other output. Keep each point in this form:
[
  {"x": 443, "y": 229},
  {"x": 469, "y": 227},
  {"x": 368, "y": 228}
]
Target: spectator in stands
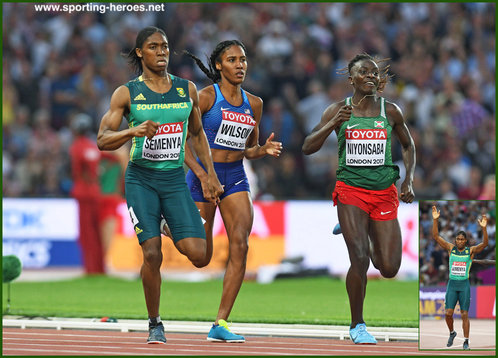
[{"x": 452, "y": 82}]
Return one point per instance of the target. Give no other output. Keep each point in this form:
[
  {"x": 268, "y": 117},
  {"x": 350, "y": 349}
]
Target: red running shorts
[{"x": 381, "y": 205}]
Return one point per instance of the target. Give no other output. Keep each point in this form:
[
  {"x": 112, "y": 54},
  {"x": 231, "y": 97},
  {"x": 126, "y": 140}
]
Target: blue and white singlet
[{"x": 227, "y": 126}]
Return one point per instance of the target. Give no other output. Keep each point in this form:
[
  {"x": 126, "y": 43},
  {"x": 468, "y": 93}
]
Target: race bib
[
  {"x": 365, "y": 147},
  {"x": 166, "y": 143},
  {"x": 459, "y": 268},
  {"x": 234, "y": 129}
]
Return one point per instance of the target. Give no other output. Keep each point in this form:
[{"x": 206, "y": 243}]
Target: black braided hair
[
  {"x": 133, "y": 59},
  {"x": 212, "y": 73}
]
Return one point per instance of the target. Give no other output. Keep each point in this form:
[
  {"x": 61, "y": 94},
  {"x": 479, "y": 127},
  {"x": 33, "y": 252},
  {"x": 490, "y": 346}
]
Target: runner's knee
[
  {"x": 199, "y": 262},
  {"x": 389, "y": 270},
  {"x": 204, "y": 261},
  {"x": 239, "y": 248},
  {"x": 152, "y": 257},
  {"x": 359, "y": 262},
  {"x": 197, "y": 256}
]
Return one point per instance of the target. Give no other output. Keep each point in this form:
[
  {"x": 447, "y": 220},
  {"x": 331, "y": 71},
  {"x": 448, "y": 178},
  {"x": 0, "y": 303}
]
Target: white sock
[{"x": 155, "y": 321}]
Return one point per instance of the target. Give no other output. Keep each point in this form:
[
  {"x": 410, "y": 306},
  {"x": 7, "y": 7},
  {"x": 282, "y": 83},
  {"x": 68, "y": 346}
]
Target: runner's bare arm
[
  {"x": 478, "y": 248},
  {"x": 193, "y": 164},
  {"x": 332, "y": 118},
  {"x": 199, "y": 172},
  {"x": 109, "y": 136},
  {"x": 205, "y": 102},
  {"x": 408, "y": 150},
  {"x": 206, "y": 99},
  {"x": 435, "y": 231},
  {"x": 201, "y": 148},
  {"x": 253, "y": 149}
]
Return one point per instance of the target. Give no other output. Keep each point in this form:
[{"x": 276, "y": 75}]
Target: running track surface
[
  {"x": 18, "y": 341},
  {"x": 434, "y": 334}
]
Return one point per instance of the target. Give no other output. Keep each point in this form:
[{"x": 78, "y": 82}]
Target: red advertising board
[{"x": 486, "y": 302}]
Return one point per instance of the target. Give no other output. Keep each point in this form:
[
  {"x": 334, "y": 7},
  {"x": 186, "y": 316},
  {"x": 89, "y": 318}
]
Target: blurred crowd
[
  {"x": 57, "y": 65},
  {"x": 456, "y": 216}
]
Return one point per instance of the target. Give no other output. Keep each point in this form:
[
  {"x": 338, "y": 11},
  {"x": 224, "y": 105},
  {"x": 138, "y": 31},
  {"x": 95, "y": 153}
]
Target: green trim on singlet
[
  {"x": 372, "y": 177},
  {"x": 172, "y": 107},
  {"x": 457, "y": 256}
]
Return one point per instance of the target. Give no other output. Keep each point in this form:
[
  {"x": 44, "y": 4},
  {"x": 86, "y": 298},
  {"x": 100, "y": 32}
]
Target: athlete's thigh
[
  {"x": 144, "y": 208},
  {"x": 464, "y": 298},
  {"x": 207, "y": 211},
  {"x": 450, "y": 298},
  {"x": 238, "y": 214},
  {"x": 386, "y": 239},
  {"x": 233, "y": 177},
  {"x": 354, "y": 227},
  {"x": 191, "y": 246},
  {"x": 195, "y": 187},
  {"x": 181, "y": 213}
]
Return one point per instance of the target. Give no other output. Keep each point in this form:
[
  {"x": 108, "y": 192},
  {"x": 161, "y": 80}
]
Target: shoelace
[
  {"x": 362, "y": 328},
  {"x": 226, "y": 325},
  {"x": 362, "y": 331}
]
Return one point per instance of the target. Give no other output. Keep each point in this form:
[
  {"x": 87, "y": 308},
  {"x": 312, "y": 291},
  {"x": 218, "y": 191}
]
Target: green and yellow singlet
[
  {"x": 171, "y": 110},
  {"x": 460, "y": 263}
]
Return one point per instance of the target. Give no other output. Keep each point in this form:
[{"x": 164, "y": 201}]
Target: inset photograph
[{"x": 457, "y": 275}]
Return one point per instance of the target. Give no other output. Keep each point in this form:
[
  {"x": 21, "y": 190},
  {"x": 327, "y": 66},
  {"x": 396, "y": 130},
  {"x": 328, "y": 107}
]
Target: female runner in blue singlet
[{"x": 230, "y": 117}]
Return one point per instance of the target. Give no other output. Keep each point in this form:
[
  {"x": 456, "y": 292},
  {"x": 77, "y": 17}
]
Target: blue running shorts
[{"x": 232, "y": 175}]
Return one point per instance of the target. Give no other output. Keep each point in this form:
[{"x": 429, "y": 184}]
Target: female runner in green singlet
[
  {"x": 458, "y": 288},
  {"x": 366, "y": 198},
  {"x": 159, "y": 108}
]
